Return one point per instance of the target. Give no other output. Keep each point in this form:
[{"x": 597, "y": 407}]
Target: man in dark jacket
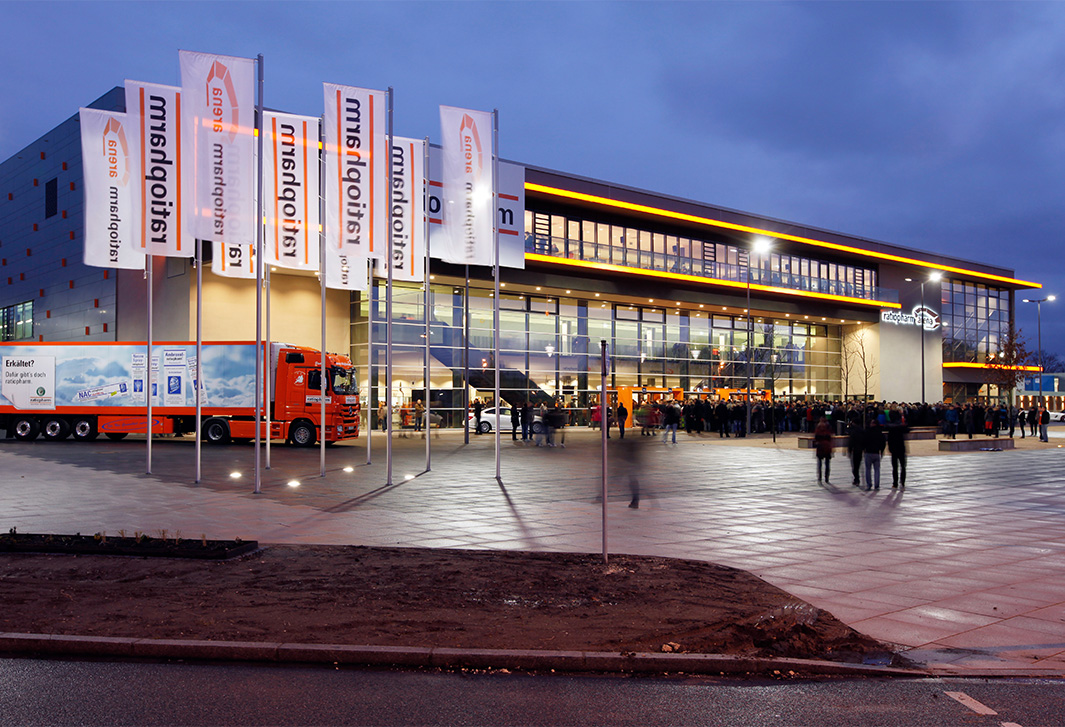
[
  {"x": 855, "y": 447},
  {"x": 874, "y": 450},
  {"x": 896, "y": 444}
]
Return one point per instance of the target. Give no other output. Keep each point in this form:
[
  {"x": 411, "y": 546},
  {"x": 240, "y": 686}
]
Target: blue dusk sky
[{"x": 932, "y": 125}]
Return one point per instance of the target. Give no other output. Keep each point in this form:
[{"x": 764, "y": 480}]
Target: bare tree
[
  {"x": 866, "y": 365},
  {"x": 846, "y": 364},
  {"x": 1006, "y": 366},
  {"x": 856, "y": 361}
]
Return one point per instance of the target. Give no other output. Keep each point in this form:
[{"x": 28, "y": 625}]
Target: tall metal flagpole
[
  {"x": 199, "y": 355},
  {"x": 428, "y": 302},
  {"x": 388, "y": 298},
  {"x": 259, "y": 286},
  {"x": 266, "y": 365},
  {"x": 466, "y": 361},
  {"x": 149, "y": 259},
  {"x": 369, "y": 357},
  {"x": 495, "y": 275},
  {"x": 321, "y": 279}
]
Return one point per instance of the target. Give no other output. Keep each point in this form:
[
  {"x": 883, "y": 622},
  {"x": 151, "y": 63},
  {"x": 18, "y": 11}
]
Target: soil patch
[{"x": 426, "y": 597}]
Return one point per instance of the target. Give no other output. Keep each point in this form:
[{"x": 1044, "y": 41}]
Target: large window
[
  {"x": 16, "y": 322},
  {"x": 975, "y": 318},
  {"x": 590, "y": 240}
]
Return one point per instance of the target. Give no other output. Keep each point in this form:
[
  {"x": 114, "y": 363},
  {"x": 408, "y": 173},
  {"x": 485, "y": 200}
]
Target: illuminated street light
[
  {"x": 934, "y": 277},
  {"x": 759, "y": 246},
  {"x": 1039, "y": 333}
]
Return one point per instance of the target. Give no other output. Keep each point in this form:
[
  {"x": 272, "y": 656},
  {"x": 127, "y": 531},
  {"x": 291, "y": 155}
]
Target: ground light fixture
[
  {"x": 293, "y": 483},
  {"x": 1039, "y": 333},
  {"x": 349, "y": 469},
  {"x": 234, "y": 475}
]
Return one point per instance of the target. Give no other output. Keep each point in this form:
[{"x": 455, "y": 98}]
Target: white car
[
  {"x": 1057, "y": 416},
  {"x": 490, "y": 420}
]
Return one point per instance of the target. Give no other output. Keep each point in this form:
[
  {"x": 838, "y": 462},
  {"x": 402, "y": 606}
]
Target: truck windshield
[{"x": 344, "y": 381}]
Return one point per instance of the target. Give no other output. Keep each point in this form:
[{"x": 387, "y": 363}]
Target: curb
[{"x": 412, "y": 656}]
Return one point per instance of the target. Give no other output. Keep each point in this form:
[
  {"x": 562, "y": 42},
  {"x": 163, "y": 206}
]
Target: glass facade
[
  {"x": 16, "y": 322},
  {"x": 579, "y": 239},
  {"x": 975, "y": 318},
  {"x": 550, "y": 348}
]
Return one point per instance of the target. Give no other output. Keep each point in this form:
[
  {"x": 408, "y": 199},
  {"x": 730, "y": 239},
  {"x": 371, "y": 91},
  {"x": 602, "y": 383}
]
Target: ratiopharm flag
[
  {"x": 290, "y": 191},
  {"x": 219, "y": 97},
  {"x": 408, "y": 211},
  {"x": 159, "y": 144},
  {"x": 110, "y": 180},
  {"x": 356, "y": 182},
  {"x": 468, "y": 192}
]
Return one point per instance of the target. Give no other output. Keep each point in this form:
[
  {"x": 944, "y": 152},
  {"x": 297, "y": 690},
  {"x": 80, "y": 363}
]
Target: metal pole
[
  {"x": 388, "y": 299},
  {"x": 602, "y": 436},
  {"x": 259, "y": 287},
  {"x": 321, "y": 279},
  {"x": 149, "y": 259},
  {"x": 369, "y": 356},
  {"x": 1039, "y": 342},
  {"x": 428, "y": 302},
  {"x": 266, "y": 365},
  {"x": 199, "y": 354},
  {"x": 750, "y": 336},
  {"x": 466, "y": 360},
  {"x": 495, "y": 275},
  {"x": 924, "y": 399}
]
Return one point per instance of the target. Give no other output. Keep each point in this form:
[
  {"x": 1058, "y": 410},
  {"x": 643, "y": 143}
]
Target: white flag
[
  {"x": 356, "y": 179},
  {"x": 110, "y": 179},
  {"x": 290, "y": 184},
  {"x": 469, "y": 206},
  {"x": 162, "y": 180},
  {"x": 219, "y": 96},
  {"x": 408, "y": 211}
]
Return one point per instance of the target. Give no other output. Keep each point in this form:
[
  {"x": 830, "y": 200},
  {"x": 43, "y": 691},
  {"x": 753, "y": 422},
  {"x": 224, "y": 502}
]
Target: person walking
[
  {"x": 896, "y": 444},
  {"x": 623, "y": 416},
  {"x": 823, "y": 445},
  {"x": 874, "y": 451}
]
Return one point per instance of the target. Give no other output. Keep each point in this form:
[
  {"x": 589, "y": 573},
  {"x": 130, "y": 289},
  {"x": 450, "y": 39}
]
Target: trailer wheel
[
  {"x": 216, "y": 431},
  {"x": 85, "y": 429},
  {"x": 55, "y": 429},
  {"x": 26, "y": 429},
  {"x": 302, "y": 434},
  {"x": 116, "y": 436}
]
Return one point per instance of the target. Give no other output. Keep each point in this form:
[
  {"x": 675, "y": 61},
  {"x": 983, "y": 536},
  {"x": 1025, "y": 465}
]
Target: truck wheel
[
  {"x": 302, "y": 434},
  {"x": 116, "y": 436},
  {"x": 85, "y": 429},
  {"x": 55, "y": 429},
  {"x": 216, "y": 431},
  {"x": 26, "y": 429}
]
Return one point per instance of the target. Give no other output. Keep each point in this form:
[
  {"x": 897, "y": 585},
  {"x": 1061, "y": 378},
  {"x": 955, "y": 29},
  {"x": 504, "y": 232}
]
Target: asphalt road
[{"x": 36, "y": 692}]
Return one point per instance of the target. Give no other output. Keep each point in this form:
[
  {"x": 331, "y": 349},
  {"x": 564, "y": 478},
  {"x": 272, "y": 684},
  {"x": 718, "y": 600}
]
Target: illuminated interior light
[
  {"x": 568, "y": 292},
  {"x": 597, "y": 295},
  {"x": 646, "y": 209},
  {"x": 650, "y": 300},
  {"x": 537, "y": 287}
]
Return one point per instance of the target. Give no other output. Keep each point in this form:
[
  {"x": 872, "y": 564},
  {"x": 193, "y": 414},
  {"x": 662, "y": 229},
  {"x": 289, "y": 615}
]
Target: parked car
[
  {"x": 489, "y": 420},
  {"x": 1057, "y": 416}
]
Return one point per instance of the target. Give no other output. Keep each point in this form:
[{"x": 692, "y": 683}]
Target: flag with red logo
[
  {"x": 159, "y": 142},
  {"x": 218, "y": 93},
  {"x": 468, "y": 209},
  {"x": 290, "y": 190},
  {"x": 109, "y": 171},
  {"x": 408, "y": 211},
  {"x": 355, "y": 154}
]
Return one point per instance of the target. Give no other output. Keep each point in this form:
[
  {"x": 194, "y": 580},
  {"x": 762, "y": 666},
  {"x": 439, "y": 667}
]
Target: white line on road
[{"x": 970, "y": 703}]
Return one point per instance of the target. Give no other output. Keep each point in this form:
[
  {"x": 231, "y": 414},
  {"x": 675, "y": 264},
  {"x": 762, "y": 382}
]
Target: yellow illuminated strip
[
  {"x": 778, "y": 235},
  {"x": 699, "y": 279},
  {"x": 962, "y": 365}
]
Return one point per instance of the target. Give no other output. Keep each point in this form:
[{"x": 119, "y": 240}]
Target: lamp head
[
  {"x": 761, "y": 245},
  {"x": 1051, "y": 297},
  {"x": 936, "y": 276}
]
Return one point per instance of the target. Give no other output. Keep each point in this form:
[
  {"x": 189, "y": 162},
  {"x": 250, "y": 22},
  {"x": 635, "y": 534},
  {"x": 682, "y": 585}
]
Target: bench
[
  {"x": 975, "y": 444},
  {"x": 806, "y": 441}
]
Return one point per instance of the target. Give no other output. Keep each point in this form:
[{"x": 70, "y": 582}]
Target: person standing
[
  {"x": 515, "y": 422},
  {"x": 721, "y": 415},
  {"x": 1044, "y": 422},
  {"x": 823, "y": 445},
  {"x": 896, "y": 444},
  {"x": 855, "y": 446},
  {"x": 623, "y": 415},
  {"x": 526, "y": 415},
  {"x": 419, "y": 415},
  {"x": 670, "y": 420},
  {"x": 874, "y": 451},
  {"x": 477, "y": 407},
  {"x": 1033, "y": 419},
  {"x": 968, "y": 419}
]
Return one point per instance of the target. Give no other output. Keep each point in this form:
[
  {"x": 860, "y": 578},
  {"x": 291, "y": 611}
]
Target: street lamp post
[
  {"x": 760, "y": 246},
  {"x": 935, "y": 278},
  {"x": 1039, "y": 334}
]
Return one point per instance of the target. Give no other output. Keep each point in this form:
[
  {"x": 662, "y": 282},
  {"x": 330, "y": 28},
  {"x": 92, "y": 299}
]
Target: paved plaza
[{"x": 964, "y": 568}]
